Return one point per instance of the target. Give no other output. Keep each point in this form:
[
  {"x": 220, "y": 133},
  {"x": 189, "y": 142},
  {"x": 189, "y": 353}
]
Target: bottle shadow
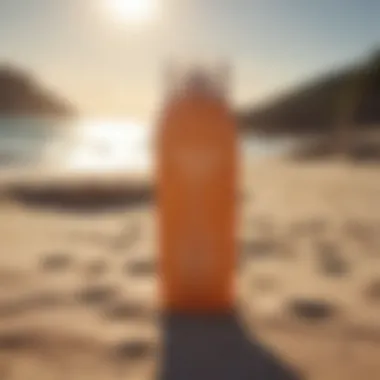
[{"x": 216, "y": 347}]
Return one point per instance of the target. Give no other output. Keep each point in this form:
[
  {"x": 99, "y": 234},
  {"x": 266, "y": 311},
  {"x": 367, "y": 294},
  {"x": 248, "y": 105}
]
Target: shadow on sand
[
  {"x": 81, "y": 200},
  {"x": 216, "y": 347}
]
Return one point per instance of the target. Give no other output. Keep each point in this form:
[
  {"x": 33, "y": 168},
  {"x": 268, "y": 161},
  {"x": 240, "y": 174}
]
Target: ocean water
[{"x": 92, "y": 145}]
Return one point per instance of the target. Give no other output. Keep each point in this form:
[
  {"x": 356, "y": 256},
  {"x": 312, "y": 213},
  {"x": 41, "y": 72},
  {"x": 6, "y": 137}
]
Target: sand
[{"x": 78, "y": 288}]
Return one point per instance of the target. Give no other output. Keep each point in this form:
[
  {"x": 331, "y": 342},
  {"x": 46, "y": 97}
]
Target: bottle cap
[{"x": 213, "y": 82}]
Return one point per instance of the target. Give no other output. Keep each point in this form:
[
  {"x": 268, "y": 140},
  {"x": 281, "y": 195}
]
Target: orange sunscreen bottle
[{"x": 196, "y": 194}]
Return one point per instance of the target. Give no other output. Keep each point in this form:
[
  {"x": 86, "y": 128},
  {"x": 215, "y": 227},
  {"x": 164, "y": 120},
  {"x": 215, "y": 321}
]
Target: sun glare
[
  {"x": 97, "y": 146},
  {"x": 132, "y": 11}
]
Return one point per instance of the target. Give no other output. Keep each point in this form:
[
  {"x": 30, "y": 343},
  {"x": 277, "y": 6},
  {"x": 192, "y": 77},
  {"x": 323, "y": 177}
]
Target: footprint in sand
[
  {"x": 32, "y": 302},
  {"x": 311, "y": 310},
  {"x": 18, "y": 341},
  {"x": 372, "y": 291},
  {"x": 140, "y": 268},
  {"x": 97, "y": 294},
  {"x": 125, "y": 310},
  {"x": 133, "y": 349},
  {"x": 330, "y": 261},
  {"x": 309, "y": 227},
  {"x": 259, "y": 248},
  {"x": 359, "y": 230},
  {"x": 56, "y": 262}
]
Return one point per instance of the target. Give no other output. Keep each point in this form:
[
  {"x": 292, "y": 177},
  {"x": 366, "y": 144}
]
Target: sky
[{"x": 109, "y": 66}]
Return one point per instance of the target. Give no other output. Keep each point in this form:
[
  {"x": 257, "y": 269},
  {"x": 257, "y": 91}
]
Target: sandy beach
[{"x": 78, "y": 294}]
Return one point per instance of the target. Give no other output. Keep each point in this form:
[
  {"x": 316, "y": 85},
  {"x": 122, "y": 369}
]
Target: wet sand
[{"x": 78, "y": 294}]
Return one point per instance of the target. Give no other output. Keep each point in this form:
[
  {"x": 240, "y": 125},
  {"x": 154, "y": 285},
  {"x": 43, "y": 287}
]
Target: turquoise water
[{"x": 92, "y": 145}]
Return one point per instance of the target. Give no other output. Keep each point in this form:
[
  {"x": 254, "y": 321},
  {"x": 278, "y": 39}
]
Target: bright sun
[{"x": 133, "y": 11}]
